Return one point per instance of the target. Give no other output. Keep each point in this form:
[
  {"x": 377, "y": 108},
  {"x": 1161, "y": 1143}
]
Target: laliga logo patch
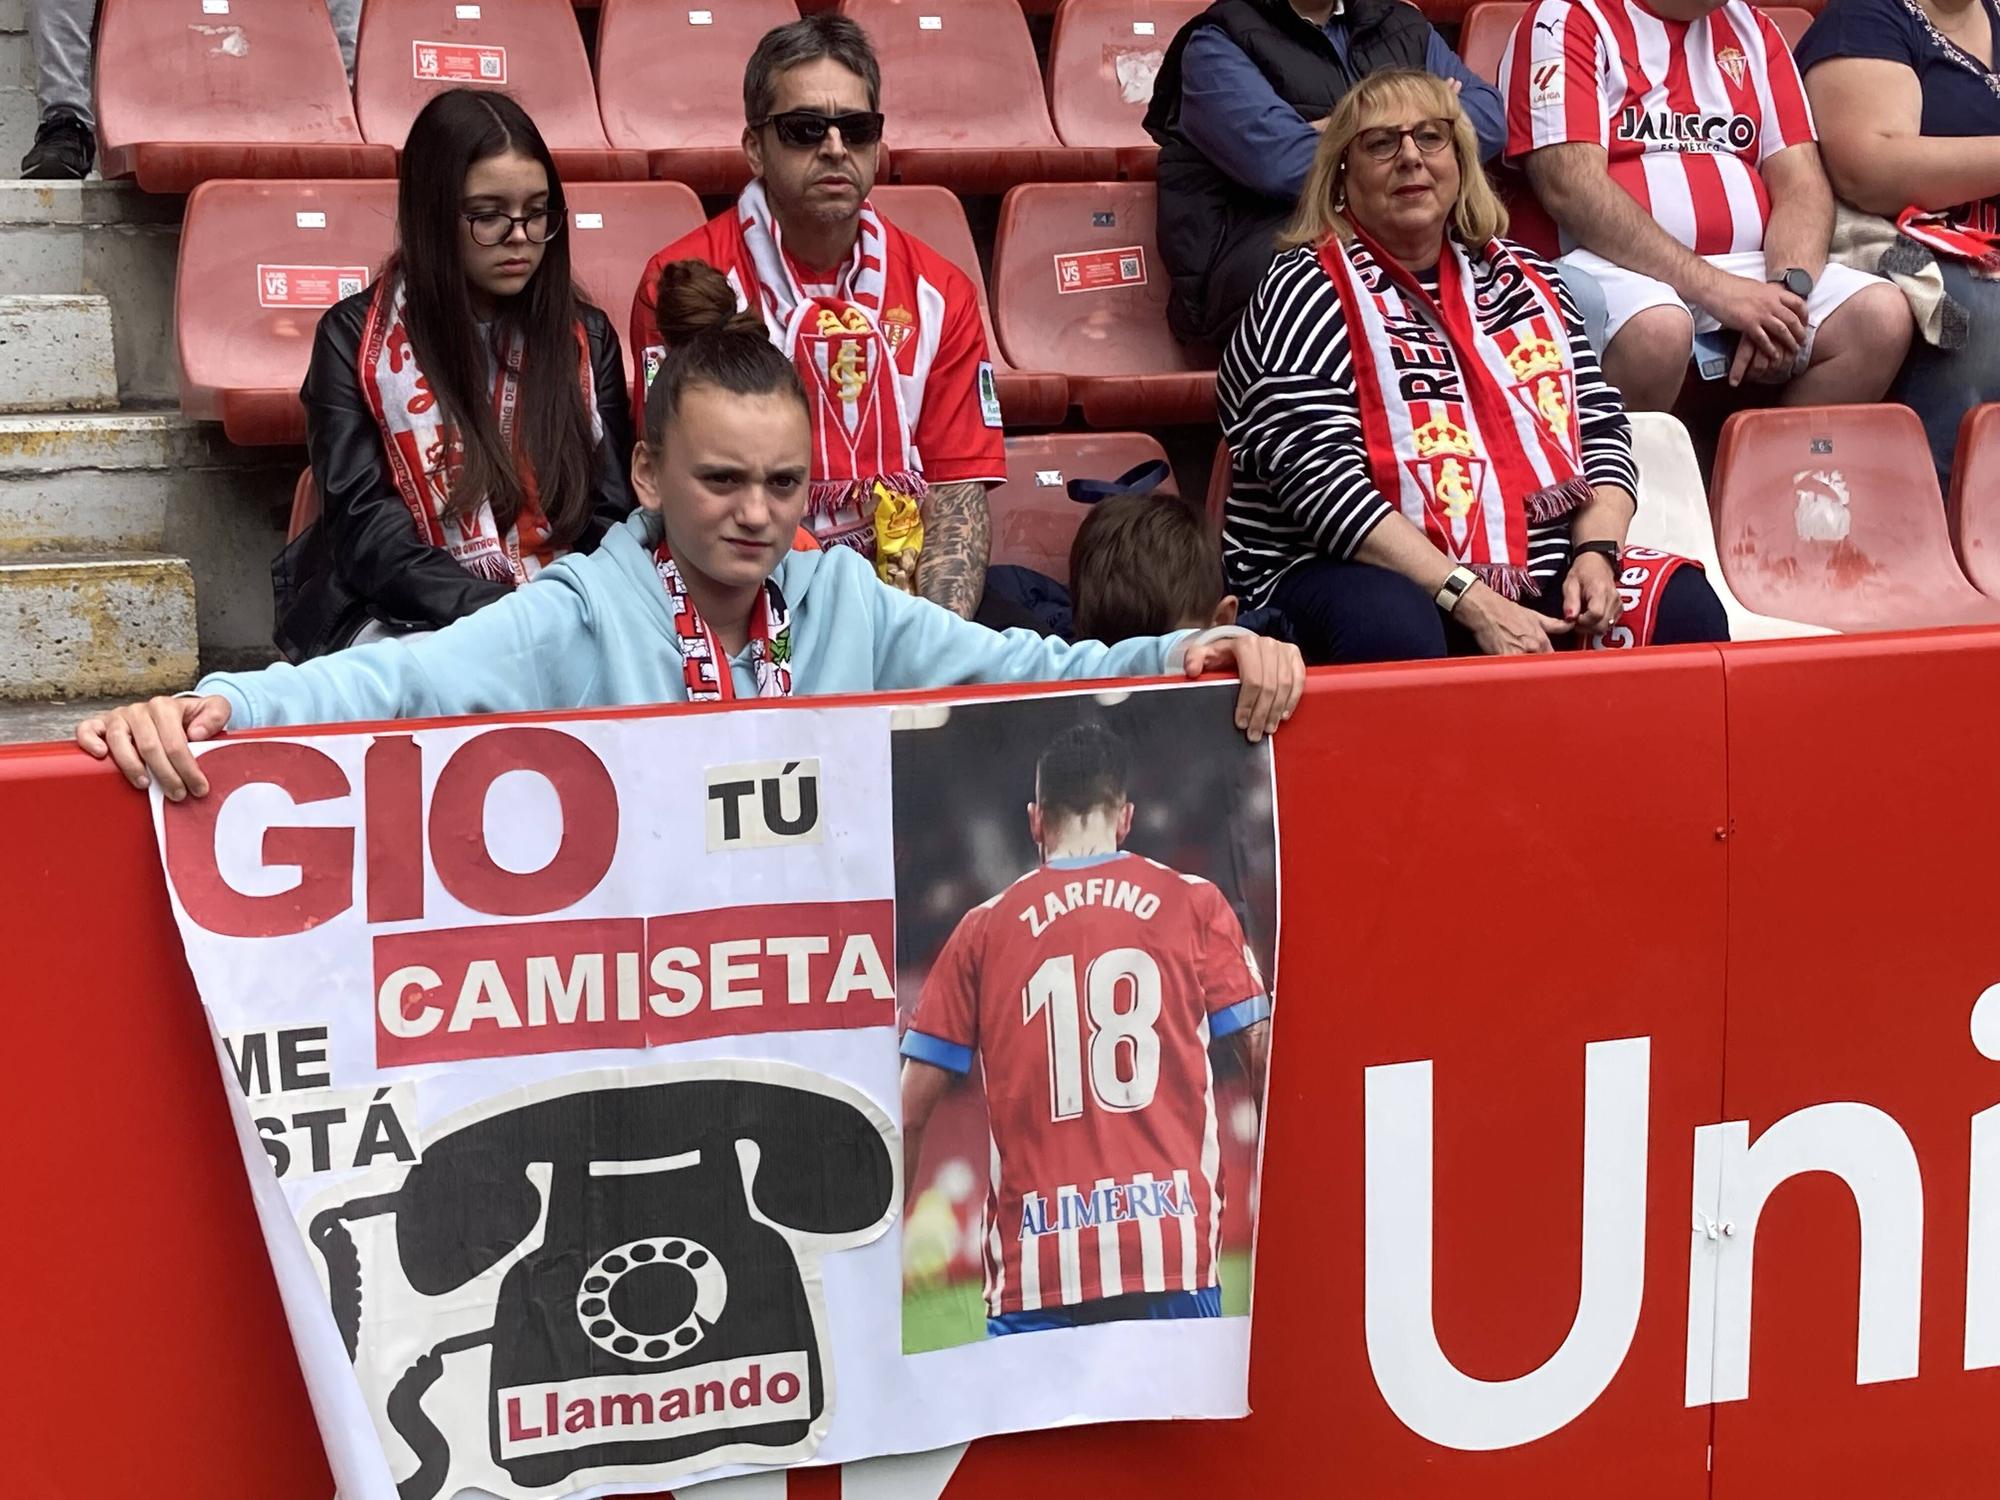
[{"x": 1545, "y": 84}]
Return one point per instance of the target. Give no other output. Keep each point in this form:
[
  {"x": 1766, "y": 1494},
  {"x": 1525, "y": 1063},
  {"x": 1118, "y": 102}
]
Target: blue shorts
[{"x": 1134, "y": 1307}]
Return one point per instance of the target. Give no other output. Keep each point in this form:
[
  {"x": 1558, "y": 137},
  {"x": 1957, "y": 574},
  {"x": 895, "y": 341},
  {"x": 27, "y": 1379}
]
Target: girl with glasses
[
  {"x": 467, "y": 416},
  {"x": 1426, "y": 458},
  {"x": 699, "y": 596}
]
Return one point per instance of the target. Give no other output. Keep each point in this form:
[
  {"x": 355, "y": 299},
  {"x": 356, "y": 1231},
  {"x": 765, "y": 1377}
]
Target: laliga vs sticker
[
  {"x": 308, "y": 286},
  {"x": 655, "y": 356},
  {"x": 455, "y": 62},
  {"x": 989, "y": 395},
  {"x": 638, "y": 1249},
  {"x": 1101, "y": 270},
  {"x": 1545, "y": 84}
]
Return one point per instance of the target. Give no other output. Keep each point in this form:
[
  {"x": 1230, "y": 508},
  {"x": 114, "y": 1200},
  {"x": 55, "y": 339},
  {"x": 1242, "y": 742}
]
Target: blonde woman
[{"x": 1427, "y": 459}]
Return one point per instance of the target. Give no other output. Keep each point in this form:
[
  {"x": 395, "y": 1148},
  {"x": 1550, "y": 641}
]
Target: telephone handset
[{"x": 631, "y": 1230}]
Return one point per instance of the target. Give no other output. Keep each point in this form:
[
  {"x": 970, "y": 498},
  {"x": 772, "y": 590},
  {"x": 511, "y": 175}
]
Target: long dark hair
[
  {"x": 457, "y": 129},
  {"x": 710, "y": 341}
]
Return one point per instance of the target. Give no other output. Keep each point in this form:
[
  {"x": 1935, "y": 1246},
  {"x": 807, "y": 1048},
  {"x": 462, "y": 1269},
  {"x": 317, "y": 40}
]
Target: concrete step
[
  {"x": 17, "y": 58},
  {"x": 19, "y": 114},
  {"x": 57, "y": 354},
  {"x": 14, "y": 15},
  {"x": 108, "y": 482},
  {"x": 155, "y": 481},
  {"x": 39, "y": 720},
  {"x": 103, "y": 239},
  {"x": 111, "y": 625}
]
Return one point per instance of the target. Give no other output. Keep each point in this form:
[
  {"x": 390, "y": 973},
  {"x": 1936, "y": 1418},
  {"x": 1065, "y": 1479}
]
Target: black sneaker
[{"x": 64, "y": 148}]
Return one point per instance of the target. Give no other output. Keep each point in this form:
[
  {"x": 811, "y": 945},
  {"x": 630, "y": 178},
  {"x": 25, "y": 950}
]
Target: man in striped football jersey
[
  {"x": 1672, "y": 142},
  {"x": 1087, "y": 993}
]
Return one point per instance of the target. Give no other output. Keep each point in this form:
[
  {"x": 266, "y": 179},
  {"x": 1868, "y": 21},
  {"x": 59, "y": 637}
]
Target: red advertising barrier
[{"x": 1596, "y": 978}]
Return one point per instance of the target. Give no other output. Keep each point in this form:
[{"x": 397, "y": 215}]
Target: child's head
[
  {"x": 727, "y": 455},
  {"x": 1145, "y": 565}
]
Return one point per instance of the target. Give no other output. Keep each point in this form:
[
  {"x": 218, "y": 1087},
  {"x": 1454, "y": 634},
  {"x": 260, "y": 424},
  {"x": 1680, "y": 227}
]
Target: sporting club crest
[{"x": 1448, "y": 473}]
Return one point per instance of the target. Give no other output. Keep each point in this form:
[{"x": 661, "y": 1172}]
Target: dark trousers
[
  {"x": 1355, "y": 612},
  {"x": 1246, "y": 254}
]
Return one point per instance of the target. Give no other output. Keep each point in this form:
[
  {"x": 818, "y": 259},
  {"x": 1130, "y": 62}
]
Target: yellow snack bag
[{"x": 899, "y": 538}]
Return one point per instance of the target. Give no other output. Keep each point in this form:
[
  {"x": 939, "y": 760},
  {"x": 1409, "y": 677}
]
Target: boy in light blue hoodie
[{"x": 698, "y": 596}]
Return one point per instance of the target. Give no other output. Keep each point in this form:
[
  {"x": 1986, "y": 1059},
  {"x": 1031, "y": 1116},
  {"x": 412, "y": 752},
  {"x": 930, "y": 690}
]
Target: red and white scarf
[
  {"x": 1470, "y": 423},
  {"x": 1643, "y": 573},
  {"x": 861, "y": 432},
  {"x": 1969, "y": 233},
  {"x": 425, "y": 453},
  {"x": 704, "y": 664}
]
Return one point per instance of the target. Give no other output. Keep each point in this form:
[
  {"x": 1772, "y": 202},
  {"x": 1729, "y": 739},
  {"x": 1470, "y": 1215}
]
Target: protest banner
[{"x": 568, "y": 1073}]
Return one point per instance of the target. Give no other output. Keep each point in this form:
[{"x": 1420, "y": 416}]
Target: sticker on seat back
[
  {"x": 308, "y": 286},
  {"x": 458, "y": 62},
  {"x": 1101, "y": 270}
]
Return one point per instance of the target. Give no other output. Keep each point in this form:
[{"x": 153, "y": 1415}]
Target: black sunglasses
[{"x": 806, "y": 127}]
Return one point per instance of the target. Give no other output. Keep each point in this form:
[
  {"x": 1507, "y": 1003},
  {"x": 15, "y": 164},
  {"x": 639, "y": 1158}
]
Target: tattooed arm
[{"x": 952, "y": 568}]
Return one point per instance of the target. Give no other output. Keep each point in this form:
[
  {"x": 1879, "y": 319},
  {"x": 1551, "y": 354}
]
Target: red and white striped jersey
[
  {"x": 1087, "y": 993},
  {"x": 1687, "y": 111}
]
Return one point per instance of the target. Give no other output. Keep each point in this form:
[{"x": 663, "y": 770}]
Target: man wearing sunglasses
[{"x": 885, "y": 331}]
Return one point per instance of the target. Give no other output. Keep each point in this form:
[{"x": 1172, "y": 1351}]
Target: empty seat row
[
  {"x": 1832, "y": 514},
  {"x": 256, "y": 88},
  {"x": 1077, "y": 316},
  {"x": 1440, "y": 12}
]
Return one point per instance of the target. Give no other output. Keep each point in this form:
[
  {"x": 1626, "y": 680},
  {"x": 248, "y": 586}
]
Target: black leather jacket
[{"x": 363, "y": 559}]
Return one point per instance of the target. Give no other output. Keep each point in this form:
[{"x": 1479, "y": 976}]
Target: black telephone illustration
[{"x": 634, "y": 1228}]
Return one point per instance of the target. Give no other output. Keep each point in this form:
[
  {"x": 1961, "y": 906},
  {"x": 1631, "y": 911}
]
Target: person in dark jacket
[
  {"x": 467, "y": 417},
  {"x": 1237, "y": 109}
]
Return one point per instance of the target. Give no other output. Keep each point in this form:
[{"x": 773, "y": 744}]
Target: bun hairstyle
[{"x": 710, "y": 341}]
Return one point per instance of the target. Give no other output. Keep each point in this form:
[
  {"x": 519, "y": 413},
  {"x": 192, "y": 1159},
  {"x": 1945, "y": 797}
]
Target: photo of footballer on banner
[{"x": 1086, "y": 938}]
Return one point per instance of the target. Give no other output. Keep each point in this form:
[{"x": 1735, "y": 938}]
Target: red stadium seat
[
  {"x": 935, "y": 216},
  {"x": 1443, "y": 14},
  {"x": 1831, "y": 514},
  {"x": 1975, "y": 498},
  {"x": 614, "y": 229},
  {"x": 259, "y": 263},
  {"x": 256, "y": 92},
  {"x": 1791, "y": 21},
  {"x": 1483, "y": 38},
  {"x": 964, "y": 96},
  {"x": 667, "y": 73},
  {"x": 1078, "y": 287},
  {"x": 410, "y": 49},
  {"x": 1102, "y": 60},
  {"x": 1034, "y": 520}
]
